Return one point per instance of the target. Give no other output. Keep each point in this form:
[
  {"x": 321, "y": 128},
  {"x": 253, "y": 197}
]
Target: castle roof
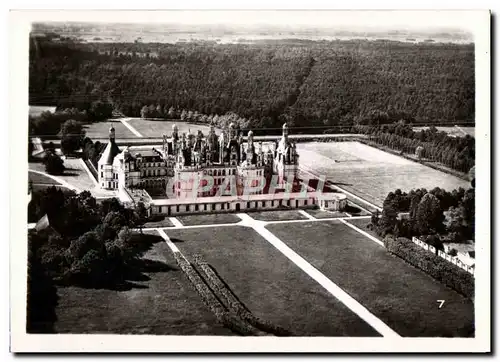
[{"x": 109, "y": 153}]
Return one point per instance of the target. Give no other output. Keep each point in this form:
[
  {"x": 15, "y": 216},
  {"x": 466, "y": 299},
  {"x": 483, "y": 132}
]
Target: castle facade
[{"x": 185, "y": 159}]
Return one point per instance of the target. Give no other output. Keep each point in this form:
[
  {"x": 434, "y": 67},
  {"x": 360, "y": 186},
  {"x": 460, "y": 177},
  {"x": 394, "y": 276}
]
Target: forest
[{"x": 307, "y": 83}]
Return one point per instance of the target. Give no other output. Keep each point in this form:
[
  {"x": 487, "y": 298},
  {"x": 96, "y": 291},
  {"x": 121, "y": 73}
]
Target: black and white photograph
[{"x": 251, "y": 181}]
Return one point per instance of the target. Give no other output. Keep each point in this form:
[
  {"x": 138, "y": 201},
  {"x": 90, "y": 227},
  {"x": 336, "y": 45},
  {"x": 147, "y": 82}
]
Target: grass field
[
  {"x": 35, "y": 111},
  {"x": 208, "y": 219},
  {"x": 158, "y": 222},
  {"x": 75, "y": 175},
  {"x": 320, "y": 214},
  {"x": 371, "y": 173},
  {"x": 160, "y": 302},
  {"x": 363, "y": 225},
  {"x": 158, "y": 128},
  {"x": 270, "y": 285},
  {"x": 101, "y": 130},
  {"x": 403, "y": 297},
  {"x": 452, "y": 131},
  {"x": 277, "y": 215},
  {"x": 39, "y": 179}
]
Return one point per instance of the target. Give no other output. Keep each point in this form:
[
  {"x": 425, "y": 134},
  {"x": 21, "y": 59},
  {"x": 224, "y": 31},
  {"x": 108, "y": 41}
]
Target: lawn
[
  {"x": 39, "y": 179},
  {"x": 161, "y": 301},
  {"x": 452, "y": 131},
  {"x": 159, "y": 222},
  {"x": 363, "y": 225},
  {"x": 371, "y": 173},
  {"x": 402, "y": 296},
  {"x": 158, "y": 128},
  {"x": 208, "y": 219},
  {"x": 320, "y": 214},
  {"x": 277, "y": 215},
  {"x": 100, "y": 130},
  {"x": 269, "y": 284},
  {"x": 76, "y": 175}
]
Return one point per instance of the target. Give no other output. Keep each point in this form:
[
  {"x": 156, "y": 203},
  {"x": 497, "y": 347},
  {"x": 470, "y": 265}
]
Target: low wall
[
  {"x": 452, "y": 259},
  {"x": 199, "y": 206}
]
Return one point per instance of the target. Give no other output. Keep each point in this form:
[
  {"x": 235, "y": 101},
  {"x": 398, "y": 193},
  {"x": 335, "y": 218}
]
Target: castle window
[
  {"x": 102, "y": 175},
  {"x": 222, "y": 206}
]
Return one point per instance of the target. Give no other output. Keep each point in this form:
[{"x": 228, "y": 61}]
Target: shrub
[
  {"x": 440, "y": 269},
  {"x": 229, "y": 320},
  {"x": 54, "y": 165}
]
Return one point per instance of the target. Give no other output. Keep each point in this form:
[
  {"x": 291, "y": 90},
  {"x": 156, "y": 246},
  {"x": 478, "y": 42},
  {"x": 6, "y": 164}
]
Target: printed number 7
[{"x": 441, "y": 302}]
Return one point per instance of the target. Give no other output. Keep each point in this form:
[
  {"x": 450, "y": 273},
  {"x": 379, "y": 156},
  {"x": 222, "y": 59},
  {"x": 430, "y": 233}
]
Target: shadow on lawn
[
  {"x": 123, "y": 276},
  {"x": 352, "y": 209},
  {"x": 175, "y": 240}
]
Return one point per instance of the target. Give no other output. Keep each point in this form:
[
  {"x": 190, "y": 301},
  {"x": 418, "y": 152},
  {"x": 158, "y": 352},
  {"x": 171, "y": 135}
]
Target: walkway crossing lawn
[
  {"x": 101, "y": 130},
  {"x": 208, "y": 219},
  {"x": 160, "y": 302},
  {"x": 363, "y": 225},
  {"x": 158, "y": 128},
  {"x": 402, "y": 296},
  {"x": 268, "y": 283},
  {"x": 39, "y": 179},
  {"x": 277, "y": 215}
]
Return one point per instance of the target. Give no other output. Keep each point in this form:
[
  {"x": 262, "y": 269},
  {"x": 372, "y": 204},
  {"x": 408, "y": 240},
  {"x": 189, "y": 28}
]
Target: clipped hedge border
[
  {"x": 229, "y": 320},
  {"x": 438, "y": 268},
  {"x": 235, "y": 305}
]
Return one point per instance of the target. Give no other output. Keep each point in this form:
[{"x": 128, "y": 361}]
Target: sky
[{"x": 351, "y": 20}]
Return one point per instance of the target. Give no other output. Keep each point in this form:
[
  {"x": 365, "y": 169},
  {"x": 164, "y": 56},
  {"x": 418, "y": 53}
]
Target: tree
[
  {"x": 145, "y": 112},
  {"x": 54, "y": 165},
  {"x": 141, "y": 214},
  {"x": 429, "y": 215},
  {"x": 99, "y": 111},
  {"x": 72, "y": 135},
  {"x": 389, "y": 215},
  {"x": 171, "y": 113}
]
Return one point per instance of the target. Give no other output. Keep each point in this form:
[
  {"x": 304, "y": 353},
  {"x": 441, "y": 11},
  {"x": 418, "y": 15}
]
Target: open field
[
  {"x": 457, "y": 131},
  {"x": 35, "y": 111},
  {"x": 208, "y": 219},
  {"x": 100, "y": 130},
  {"x": 320, "y": 214},
  {"x": 161, "y": 221},
  {"x": 404, "y": 297},
  {"x": 161, "y": 301},
  {"x": 371, "y": 173},
  {"x": 268, "y": 283},
  {"x": 37, "y": 178},
  {"x": 75, "y": 175},
  {"x": 363, "y": 225},
  {"x": 277, "y": 215},
  {"x": 158, "y": 128}
]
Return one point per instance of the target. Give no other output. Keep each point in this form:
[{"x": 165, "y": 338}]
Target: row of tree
[
  {"x": 457, "y": 153},
  {"x": 427, "y": 210},
  {"x": 309, "y": 83}
]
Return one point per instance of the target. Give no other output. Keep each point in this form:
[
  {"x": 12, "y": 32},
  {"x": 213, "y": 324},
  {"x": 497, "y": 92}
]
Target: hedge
[
  {"x": 233, "y": 304},
  {"x": 229, "y": 320},
  {"x": 437, "y": 267}
]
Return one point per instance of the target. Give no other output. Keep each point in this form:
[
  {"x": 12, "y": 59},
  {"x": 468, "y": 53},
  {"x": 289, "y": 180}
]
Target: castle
[{"x": 226, "y": 158}]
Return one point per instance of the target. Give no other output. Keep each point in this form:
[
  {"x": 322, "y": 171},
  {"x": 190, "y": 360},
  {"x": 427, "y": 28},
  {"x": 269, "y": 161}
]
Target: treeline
[
  {"x": 48, "y": 123},
  {"x": 82, "y": 243},
  {"x": 426, "y": 215},
  {"x": 457, "y": 153},
  {"x": 315, "y": 83}
]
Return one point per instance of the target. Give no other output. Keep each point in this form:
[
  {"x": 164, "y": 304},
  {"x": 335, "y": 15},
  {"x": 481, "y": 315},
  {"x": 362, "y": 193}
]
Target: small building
[{"x": 332, "y": 201}]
